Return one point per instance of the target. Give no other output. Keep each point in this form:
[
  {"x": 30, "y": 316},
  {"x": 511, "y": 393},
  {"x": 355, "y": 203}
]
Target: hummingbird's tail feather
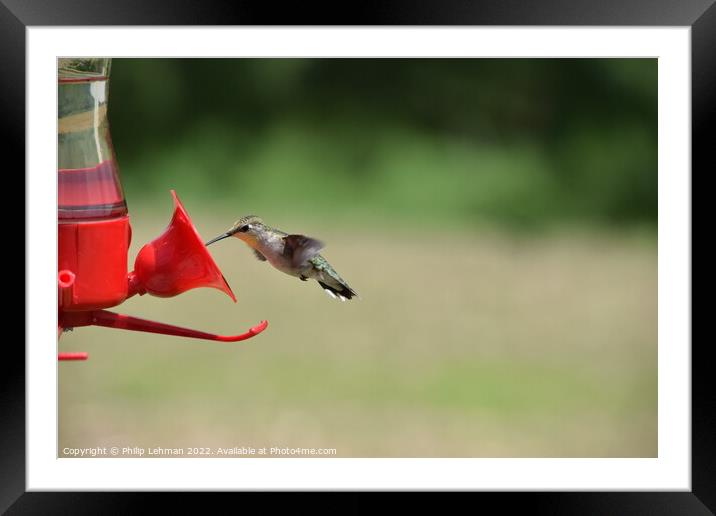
[{"x": 343, "y": 292}]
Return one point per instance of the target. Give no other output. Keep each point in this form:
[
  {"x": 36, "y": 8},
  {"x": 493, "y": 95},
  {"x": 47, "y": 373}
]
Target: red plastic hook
[{"x": 74, "y": 355}]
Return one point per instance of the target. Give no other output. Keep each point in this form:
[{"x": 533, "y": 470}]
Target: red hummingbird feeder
[{"x": 93, "y": 224}]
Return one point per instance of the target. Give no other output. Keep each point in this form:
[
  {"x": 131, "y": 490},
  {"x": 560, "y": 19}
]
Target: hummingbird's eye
[{"x": 244, "y": 228}]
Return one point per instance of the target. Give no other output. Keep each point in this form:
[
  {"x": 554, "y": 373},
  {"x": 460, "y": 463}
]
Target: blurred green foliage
[{"x": 525, "y": 143}]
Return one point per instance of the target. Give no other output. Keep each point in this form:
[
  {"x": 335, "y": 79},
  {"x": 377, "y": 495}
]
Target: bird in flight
[{"x": 295, "y": 255}]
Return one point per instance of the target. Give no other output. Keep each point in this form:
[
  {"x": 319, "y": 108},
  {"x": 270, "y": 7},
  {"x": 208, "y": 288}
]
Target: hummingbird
[{"x": 295, "y": 255}]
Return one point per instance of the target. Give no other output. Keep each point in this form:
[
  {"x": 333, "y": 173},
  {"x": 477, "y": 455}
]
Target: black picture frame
[{"x": 700, "y": 15}]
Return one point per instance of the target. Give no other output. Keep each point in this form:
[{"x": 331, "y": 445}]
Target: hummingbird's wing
[{"x": 300, "y": 248}]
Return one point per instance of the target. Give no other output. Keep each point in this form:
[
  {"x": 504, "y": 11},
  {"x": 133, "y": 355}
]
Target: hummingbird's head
[{"x": 246, "y": 228}]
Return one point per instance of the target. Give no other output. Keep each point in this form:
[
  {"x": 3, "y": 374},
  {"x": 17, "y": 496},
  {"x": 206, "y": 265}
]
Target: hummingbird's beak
[{"x": 220, "y": 237}]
